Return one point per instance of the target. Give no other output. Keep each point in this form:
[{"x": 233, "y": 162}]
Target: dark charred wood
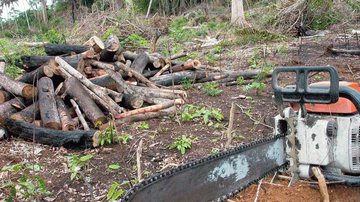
[
  {"x": 105, "y": 81},
  {"x": 60, "y": 49},
  {"x": 131, "y": 101},
  {"x": 7, "y": 108},
  {"x": 30, "y": 63},
  {"x": 76, "y": 139},
  {"x": 140, "y": 62}
]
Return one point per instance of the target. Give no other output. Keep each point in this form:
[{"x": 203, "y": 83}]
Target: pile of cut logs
[{"x": 67, "y": 97}]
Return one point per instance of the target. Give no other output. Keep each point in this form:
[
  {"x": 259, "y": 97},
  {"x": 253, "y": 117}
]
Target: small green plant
[
  {"x": 107, "y": 135},
  {"x": 76, "y": 164},
  {"x": 211, "y": 89},
  {"x": 186, "y": 83},
  {"x": 115, "y": 192},
  {"x": 240, "y": 81},
  {"x": 114, "y": 166},
  {"x": 123, "y": 138},
  {"x": 135, "y": 40},
  {"x": 258, "y": 86},
  {"x": 23, "y": 186},
  {"x": 53, "y": 36},
  {"x": 182, "y": 144},
  {"x": 143, "y": 126},
  {"x": 109, "y": 31},
  {"x": 192, "y": 112},
  {"x": 254, "y": 36}
]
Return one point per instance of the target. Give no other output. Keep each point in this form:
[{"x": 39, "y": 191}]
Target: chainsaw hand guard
[{"x": 301, "y": 92}]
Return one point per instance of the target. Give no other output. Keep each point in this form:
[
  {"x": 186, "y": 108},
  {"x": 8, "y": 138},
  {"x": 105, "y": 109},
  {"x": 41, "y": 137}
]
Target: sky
[{"x": 21, "y": 5}]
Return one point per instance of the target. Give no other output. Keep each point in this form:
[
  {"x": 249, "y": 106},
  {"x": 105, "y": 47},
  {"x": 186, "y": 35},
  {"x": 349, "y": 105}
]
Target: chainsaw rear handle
[{"x": 301, "y": 92}]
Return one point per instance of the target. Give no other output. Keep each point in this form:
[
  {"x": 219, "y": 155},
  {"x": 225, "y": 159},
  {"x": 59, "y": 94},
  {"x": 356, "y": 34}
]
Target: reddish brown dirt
[{"x": 161, "y": 133}]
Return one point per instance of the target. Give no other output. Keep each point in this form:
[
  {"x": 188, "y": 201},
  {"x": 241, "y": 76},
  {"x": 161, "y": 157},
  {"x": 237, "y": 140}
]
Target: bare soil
[{"x": 207, "y": 139}]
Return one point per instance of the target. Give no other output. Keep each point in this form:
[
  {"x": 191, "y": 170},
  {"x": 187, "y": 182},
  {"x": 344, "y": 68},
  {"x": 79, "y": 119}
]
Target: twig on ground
[
  {"x": 322, "y": 184},
  {"x": 230, "y": 127},
  {"x": 251, "y": 118},
  {"x": 169, "y": 165},
  {"x": 138, "y": 162},
  {"x": 258, "y": 190}
]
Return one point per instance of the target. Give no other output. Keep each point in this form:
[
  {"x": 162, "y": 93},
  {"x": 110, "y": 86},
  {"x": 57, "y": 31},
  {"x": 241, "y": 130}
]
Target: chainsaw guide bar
[{"x": 216, "y": 177}]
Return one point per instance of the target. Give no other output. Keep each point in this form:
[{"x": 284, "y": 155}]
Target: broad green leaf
[
  {"x": 114, "y": 166},
  {"x": 86, "y": 157}
]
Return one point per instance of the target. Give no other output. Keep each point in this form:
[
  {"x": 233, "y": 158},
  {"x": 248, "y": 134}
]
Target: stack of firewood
[{"x": 67, "y": 97}]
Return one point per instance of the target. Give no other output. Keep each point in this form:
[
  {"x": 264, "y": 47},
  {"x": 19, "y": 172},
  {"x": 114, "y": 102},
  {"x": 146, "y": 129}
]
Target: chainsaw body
[{"x": 326, "y": 121}]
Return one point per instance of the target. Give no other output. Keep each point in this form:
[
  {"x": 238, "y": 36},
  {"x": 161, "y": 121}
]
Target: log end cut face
[{"x": 29, "y": 91}]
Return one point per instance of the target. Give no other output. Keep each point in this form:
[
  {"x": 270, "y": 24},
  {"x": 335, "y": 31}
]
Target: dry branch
[{"x": 79, "y": 115}]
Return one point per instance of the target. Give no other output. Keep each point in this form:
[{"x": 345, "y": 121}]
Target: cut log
[
  {"x": 119, "y": 80},
  {"x": 47, "y": 104},
  {"x": 157, "y": 93},
  {"x": 149, "y": 115},
  {"x": 344, "y": 51},
  {"x": 176, "y": 78},
  {"x": 99, "y": 91},
  {"x": 33, "y": 76},
  {"x": 30, "y": 63},
  {"x": 66, "y": 121},
  {"x": 69, "y": 139},
  {"x": 112, "y": 45},
  {"x": 96, "y": 43},
  {"x": 4, "y": 96},
  {"x": 76, "y": 90},
  {"x": 7, "y": 108},
  {"x": 79, "y": 115},
  {"x": 140, "y": 62},
  {"x": 27, "y": 91},
  {"x": 60, "y": 49},
  {"x": 135, "y": 74},
  {"x": 28, "y": 114},
  {"x": 151, "y": 108},
  {"x": 105, "y": 81},
  {"x": 188, "y": 65},
  {"x": 131, "y": 101}
]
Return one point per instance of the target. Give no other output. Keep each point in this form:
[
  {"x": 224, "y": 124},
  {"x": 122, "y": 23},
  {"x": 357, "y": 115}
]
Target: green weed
[
  {"x": 135, "y": 40},
  {"x": 113, "y": 167},
  {"x": 211, "y": 89},
  {"x": 254, "y": 36},
  {"x": 115, "y": 192},
  {"x": 240, "y": 80},
  {"x": 77, "y": 164},
  {"x": 143, "y": 126},
  {"x": 109, "y": 31},
  {"x": 123, "y": 138},
  {"x": 107, "y": 135},
  {"x": 186, "y": 83},
  {"x": 182, "y": 144},
  {"x": 208, "y": 115},
  {"x": 23, "y": 186}
]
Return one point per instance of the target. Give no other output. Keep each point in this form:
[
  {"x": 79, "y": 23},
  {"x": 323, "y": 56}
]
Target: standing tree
[
  {"x": 44, "y": 12},
  {"x": 237, "y": 13}
]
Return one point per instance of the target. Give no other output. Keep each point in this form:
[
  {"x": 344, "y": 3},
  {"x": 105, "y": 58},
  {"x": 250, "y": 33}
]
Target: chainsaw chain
[{"x": 194, "y": 163}]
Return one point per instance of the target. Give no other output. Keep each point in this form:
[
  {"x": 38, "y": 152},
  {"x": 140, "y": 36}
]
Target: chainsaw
[{"x": 319, "y": 127}]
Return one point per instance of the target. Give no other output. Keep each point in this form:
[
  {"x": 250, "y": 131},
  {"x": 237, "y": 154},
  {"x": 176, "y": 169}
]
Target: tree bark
[
  {"x": 33, "y": 76},
  {"x": 44, "y": 12},
  {"x": 76, "y": 90},
  {"x": 60, "y": 49},
  {"x": 66, "y": 121},
  {"x": 28, "y": 114},
  {"x": 17, "y": 88},
  {"x": 30, "y": 63},
  {"x": 69, "y": 139},
  {"x": 7, "y": 108},
  {"x": 47, "y": 104},
  {"x": 112, "y": 45},
  {"x": 237, "y": 13},
  {"x": 140, "y": 62},
  {"x": 104, "y": 81},
  {"x": 176, "y": 78}
]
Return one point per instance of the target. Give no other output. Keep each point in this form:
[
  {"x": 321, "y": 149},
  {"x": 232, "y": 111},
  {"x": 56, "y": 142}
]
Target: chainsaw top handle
[{"x": 301, "y": 92}]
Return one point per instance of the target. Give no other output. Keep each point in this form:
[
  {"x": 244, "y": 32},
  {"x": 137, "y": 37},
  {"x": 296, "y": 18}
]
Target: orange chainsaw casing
[{"x": 342, "y": 106}]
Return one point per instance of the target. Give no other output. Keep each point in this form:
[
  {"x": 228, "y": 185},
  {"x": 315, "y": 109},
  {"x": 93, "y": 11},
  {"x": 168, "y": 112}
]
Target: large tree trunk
[
  {"x": 76, "y": 90},
  {"x": 7, "y": 108},
  {"x": 69, "y": 139},
  {"x": 237, "y": 13},
  {"x": 27, "y": 91},
  {"x": 47, "y": 104},
  {"x": 28, "y": 114},
  {"x": 60, "y": 49}
]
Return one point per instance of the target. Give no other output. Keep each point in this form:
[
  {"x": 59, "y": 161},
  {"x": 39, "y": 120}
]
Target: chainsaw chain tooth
[{"x": 202, "y": 161}]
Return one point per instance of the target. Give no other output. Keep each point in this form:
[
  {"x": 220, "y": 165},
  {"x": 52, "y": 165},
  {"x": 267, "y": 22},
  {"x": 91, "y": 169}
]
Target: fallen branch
[
  {"x": 322, "y": 184},
  {"x": 138, "y": 160},
  {"x": 251, "y": 118},
  {"x": 230, "y": 127},
  {"x": 79, "y": 115}
]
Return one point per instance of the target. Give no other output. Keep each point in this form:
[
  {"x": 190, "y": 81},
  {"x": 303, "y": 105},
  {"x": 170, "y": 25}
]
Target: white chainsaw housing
[{"x": 332, "y": 142}]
